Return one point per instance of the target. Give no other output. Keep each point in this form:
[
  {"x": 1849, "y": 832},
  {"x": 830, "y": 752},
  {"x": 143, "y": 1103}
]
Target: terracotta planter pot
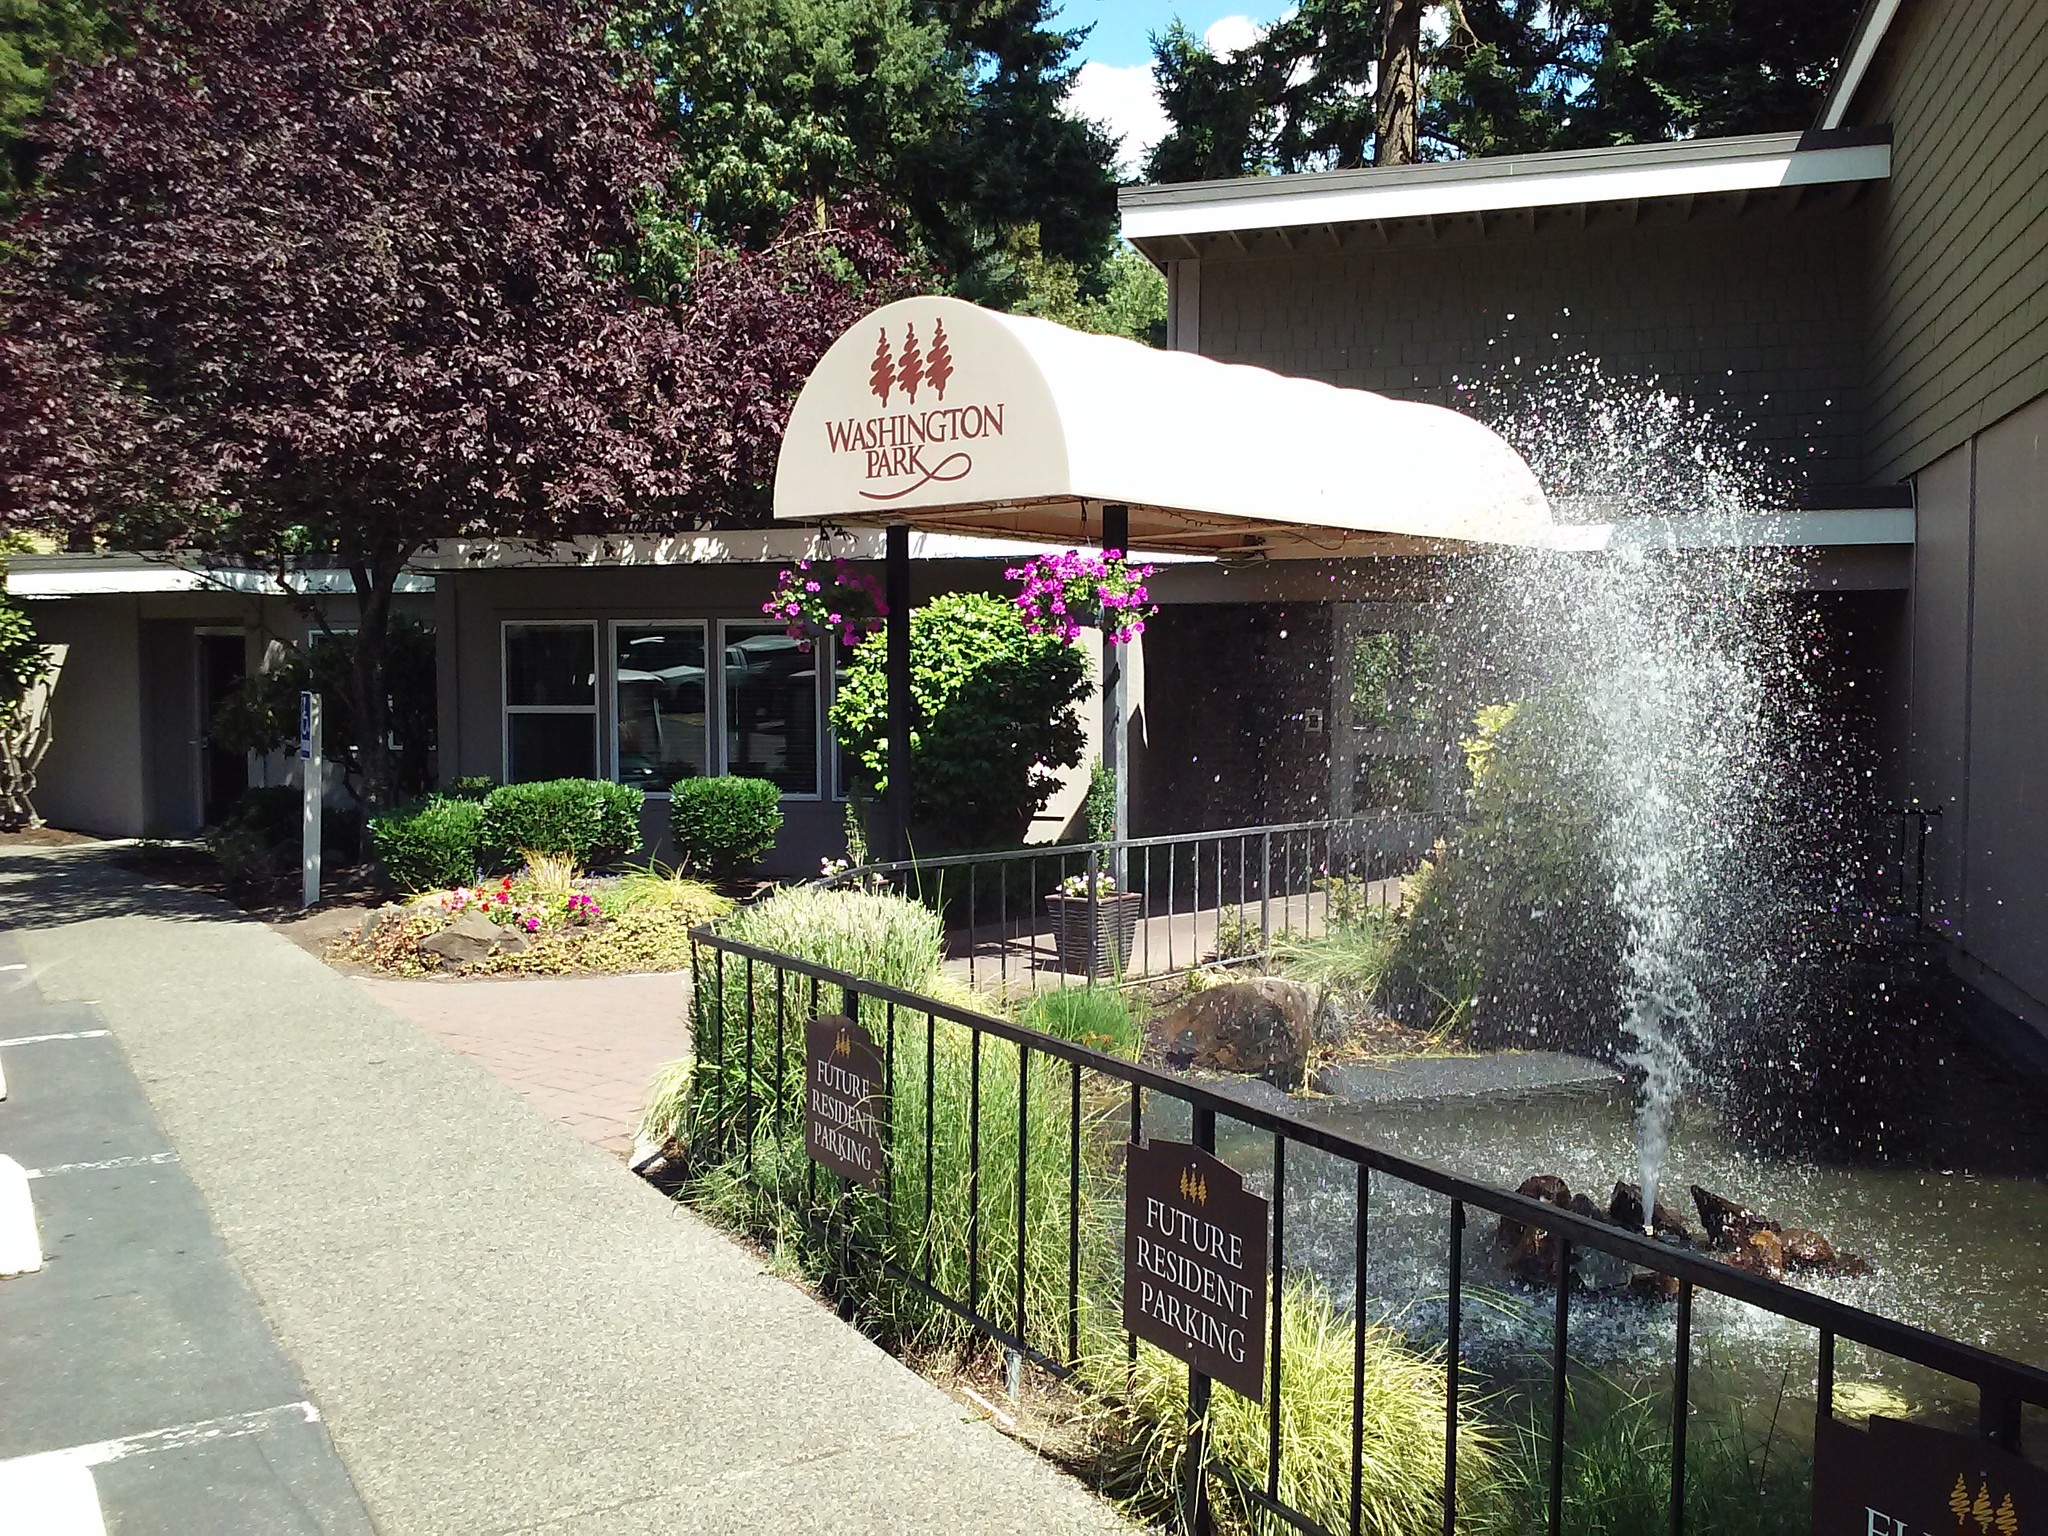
[{"x": 1099, "y": 946}]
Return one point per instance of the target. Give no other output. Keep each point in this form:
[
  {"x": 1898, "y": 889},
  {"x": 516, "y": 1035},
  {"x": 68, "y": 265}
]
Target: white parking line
[
  {"x": 76, "y": 1034},
  {"x": 21, "y": 1246},
  {"x": 177, "y": 1438},
  {"x": 52, "y": 1498},
  {"x": 141, "y": 1159}
]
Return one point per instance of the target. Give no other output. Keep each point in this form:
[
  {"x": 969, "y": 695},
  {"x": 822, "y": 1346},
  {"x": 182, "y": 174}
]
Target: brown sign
[
  {"x": 1899, "y": 1479},
  {"x": 845, "y": 1105},
  {"x": 1195, "y": 1263}
]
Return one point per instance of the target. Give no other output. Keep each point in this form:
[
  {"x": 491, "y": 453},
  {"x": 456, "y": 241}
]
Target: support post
[
  {"x": 1116, "y": 538},
  {"x": 312, "y": 762},
  {"x": 896, "y": 593}
]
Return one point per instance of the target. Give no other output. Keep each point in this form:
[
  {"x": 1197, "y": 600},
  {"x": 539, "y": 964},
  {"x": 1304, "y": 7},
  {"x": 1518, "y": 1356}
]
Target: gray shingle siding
[
  {"x": 1758, "y": 314},
  {"x": 1959, "y": 263}
]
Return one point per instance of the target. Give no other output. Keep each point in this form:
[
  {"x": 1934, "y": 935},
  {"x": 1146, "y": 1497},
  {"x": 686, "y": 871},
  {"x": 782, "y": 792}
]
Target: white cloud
[
  {"x": 1125, "y": 101},
  {"x": 1231, "y": 34}
]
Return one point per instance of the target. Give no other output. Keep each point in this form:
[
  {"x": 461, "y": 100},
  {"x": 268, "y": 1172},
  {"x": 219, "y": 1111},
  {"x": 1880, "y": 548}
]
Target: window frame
[
  {"x": 714, "y": 692},
  {"x": 821, "y": 723},
  {"x": 507, "y": 709}
]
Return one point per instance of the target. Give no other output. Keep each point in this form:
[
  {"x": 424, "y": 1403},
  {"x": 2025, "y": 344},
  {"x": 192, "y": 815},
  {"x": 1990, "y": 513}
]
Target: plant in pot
[
  {"x": 1095, "y": 922},
  {"x": 817, "y": 602},
  {"x": 1078, "y": 589}
]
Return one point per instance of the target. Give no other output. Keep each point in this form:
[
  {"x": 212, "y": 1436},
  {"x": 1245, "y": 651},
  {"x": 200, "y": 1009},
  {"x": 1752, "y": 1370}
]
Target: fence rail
[
  {"x": 1151, "y": 907},
  {"x": 990, "y": 1219}
]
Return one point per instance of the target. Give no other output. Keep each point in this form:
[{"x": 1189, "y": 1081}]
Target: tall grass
[
  {"x": 947, "y": 1215},
  {"x": 1401, "y": 1478},
  {"x": 1097, "y": 1017},
  {"x": 1742, "y": 1479}
]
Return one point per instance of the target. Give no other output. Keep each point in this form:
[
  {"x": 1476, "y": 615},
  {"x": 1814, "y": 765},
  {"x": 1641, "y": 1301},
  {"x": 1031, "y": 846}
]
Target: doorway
[{"x": 223, "y": 775}]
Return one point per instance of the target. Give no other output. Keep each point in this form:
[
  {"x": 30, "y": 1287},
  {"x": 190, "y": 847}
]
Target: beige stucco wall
[
  {"x": 125, "y": 752},
  {"x": 92, "y": 779},
  {"x": 1761, "y": 312}
]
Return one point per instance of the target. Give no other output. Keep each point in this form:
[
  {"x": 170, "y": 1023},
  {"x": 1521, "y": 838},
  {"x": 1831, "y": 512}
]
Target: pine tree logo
[
  {"x": 882, "y": 372},
  {"x": 1980, "y": 1511},
  {"x": 1959, "y": 1500},
  {"x": 2007, "y": 1519},
  {"x": 938, "y": 363},
  {"x": 1194, "y": 1186},
  {"x": 909, "y": 364}
]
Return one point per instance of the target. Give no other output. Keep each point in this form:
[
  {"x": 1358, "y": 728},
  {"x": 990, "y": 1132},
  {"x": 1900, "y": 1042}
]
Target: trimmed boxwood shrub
[
  {"x": 721, "y": 827},
  {"x": 592, "y": 821},
  {"x": 429, "y": 846},
  {"x": 474, "y": 786}
]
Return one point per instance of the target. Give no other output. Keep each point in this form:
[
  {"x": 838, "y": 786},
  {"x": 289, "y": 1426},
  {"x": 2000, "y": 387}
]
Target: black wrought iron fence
[
  {"x": 998, "y": 1213},
  {"x": 1148, "y": 907}
]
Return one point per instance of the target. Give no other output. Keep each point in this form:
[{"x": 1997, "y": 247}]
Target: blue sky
[
  {"x": 1115, "y": 85},
  {"x": 1122, "y": 27}
]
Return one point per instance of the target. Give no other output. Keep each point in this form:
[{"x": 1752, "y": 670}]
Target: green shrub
[
  {"x": 1098, "y": 810},
  {"x": 1097, "y": 1017},
  {"x": 472, "y": 786},
  {"x": 429, "y": 846},
  {"x": 721, "y": 827},
  {"x": 592, "y": 821},
  {"x": 996, "y": 709}
]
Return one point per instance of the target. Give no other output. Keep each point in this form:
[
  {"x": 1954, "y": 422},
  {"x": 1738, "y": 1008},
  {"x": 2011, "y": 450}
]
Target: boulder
[
  {"x": 1625, "y": 1209},
  {"x": 469, "y": 938},
  {"x": 1263, "y": 1028},
  {"x": 1548, "y": 1188},
  {"x": 1728, "y": 1223},
  {"x": 1806, "y": 1250},
  {"x": 1760, "y": 1253}
]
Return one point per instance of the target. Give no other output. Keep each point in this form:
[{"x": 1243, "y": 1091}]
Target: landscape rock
[
  {"x": 1806, "y": 1250},
  {"x": 1729, "y": 1224},
  {"x": 1263, "y": 1028},
  {"x": 1760, "y": 1253},
  {"x": 1625, "y": 1209},
  {"x": 470, "y": 938}
]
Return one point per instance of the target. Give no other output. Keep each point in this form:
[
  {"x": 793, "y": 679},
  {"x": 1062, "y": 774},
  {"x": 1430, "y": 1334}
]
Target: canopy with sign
[{"x": 943, "y": 415}]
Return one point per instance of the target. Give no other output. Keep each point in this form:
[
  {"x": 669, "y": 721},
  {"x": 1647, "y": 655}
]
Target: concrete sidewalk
[{"x": 502, "y": 1329}]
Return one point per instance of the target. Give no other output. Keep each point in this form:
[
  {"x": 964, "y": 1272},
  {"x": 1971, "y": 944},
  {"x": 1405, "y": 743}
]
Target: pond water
[{"x": 1957, "y": 1249}]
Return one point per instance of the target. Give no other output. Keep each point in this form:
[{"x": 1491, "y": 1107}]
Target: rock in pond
[
  {"x": 1625, "y": 1209},
  {"x": 1728, "y": 1222},
  {"x": 1263, "y": 1028}
]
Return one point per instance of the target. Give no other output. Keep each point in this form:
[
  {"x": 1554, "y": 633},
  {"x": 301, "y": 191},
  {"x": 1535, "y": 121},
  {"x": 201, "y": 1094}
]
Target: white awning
[{"x": 946, "y": 416}]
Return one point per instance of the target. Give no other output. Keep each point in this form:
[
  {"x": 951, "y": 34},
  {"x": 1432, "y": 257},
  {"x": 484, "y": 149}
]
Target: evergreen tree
[
  {"x": 37, "y": 39},
  {"x": 1343, "y": 82},
  {"x": 954, "y": 110}
]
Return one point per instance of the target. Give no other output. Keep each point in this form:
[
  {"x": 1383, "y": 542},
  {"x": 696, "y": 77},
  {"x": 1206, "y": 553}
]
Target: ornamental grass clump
[
  {"x": 1140, "y": 1416},
  {"x": 956, "y": 1094}
]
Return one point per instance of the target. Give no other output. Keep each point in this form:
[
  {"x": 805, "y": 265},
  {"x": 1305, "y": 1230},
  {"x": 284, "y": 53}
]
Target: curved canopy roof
[{"x": 944, "y": 415}]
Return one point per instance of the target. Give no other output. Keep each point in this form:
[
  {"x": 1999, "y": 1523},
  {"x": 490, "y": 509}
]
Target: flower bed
[{"x": 547, "y": 920}]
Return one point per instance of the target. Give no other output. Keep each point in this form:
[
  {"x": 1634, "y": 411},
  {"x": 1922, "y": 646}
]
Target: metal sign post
[{"x": 311, "y": 762}]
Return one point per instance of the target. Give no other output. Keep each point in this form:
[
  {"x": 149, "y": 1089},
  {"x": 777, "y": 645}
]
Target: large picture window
[
  {"x": 550, "y": 701},
  {"x": 771, "y": 706},
  {"x": 661, "y": 699}
]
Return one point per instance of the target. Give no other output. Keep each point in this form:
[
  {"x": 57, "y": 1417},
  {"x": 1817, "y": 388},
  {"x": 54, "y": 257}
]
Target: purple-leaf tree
[{"x": 324, "y": 282}]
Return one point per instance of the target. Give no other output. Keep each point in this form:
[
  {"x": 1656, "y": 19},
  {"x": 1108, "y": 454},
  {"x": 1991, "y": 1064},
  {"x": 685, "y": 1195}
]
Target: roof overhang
[
  {"x": 1029, "y": 429},
  {"x": 1165, "y": 221},
  {"x": 1871, "y": 25},
  {"x": 42, "y": 577}
]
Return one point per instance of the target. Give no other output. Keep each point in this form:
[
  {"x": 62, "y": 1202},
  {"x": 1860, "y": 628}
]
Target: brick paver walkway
[{"x": 581, "y": 1049}]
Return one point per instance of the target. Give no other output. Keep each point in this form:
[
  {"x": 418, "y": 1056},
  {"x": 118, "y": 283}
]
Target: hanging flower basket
[
  {"x": 1081, "y": 589},
  {"x": 814, "y": 602}
]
